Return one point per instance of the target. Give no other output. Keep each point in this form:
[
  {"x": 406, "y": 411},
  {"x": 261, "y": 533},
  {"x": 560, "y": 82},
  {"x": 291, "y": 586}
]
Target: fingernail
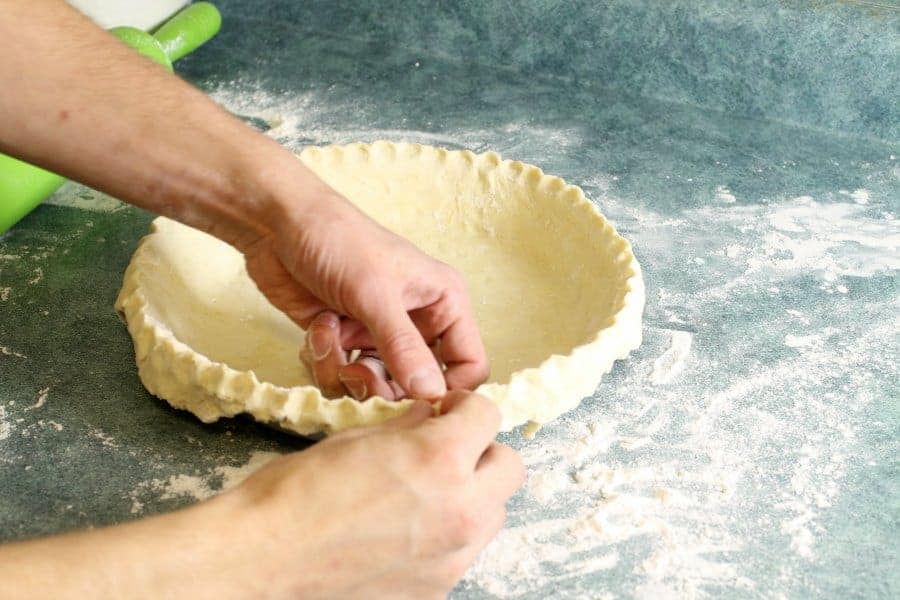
[
  {"x": 356, "y": 387},
  {"x": 319, "y": 344},
  {"x": 328, "y": 319},
  {"x": 426, "y": 383}
]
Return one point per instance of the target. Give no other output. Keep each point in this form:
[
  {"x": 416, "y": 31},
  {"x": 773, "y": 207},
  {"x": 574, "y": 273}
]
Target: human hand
[
  {"x": 396, "y": 510},
  {"x": 307, "y": 248},
  {"x": 407, "y": 309}
]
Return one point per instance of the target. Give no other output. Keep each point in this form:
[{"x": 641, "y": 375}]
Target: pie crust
[{"x": 558, "y": 294}]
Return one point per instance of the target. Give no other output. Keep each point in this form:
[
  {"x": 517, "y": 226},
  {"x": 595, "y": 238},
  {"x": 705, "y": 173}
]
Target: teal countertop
[{"x": 749, "y": 448}]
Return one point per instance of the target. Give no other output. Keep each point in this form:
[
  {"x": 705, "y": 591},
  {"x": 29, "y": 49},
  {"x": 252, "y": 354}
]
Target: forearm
[
  {"x": 172, "y": 555},
  {"x": 80, "y": 103}
]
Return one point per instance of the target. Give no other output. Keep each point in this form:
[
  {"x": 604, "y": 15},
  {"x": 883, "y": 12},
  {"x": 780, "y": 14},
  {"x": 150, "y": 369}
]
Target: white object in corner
[{"x": 142, "y": 14}]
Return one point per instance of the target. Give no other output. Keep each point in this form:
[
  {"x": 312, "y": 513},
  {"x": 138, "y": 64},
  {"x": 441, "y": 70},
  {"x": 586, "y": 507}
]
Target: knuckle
[
  {"x": 456, "y": 279},
  {"x": 441, "y": 315},
  {"x": 402, "y": 342},
  {"x": 449, "y": 459},
  {"x": 366, "y": 297},
  {"x": 482, "y": 370},
  {"x": 461, "y": 526},
  {"x": 430, "y": 455},
  {"x": 488, "y": 409},
  {"x": 438, "y": 454}
]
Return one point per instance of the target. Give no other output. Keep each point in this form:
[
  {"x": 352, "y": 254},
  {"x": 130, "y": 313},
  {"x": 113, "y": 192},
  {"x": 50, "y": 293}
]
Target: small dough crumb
[{"x": 530, "y": 430}]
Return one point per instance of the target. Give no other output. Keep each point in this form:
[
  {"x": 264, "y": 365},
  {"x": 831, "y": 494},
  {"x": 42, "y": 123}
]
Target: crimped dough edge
[{"x": 188, "y": 380}]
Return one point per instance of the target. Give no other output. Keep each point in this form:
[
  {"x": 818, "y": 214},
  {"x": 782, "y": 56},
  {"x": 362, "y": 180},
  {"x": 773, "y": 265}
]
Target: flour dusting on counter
[
  {"x": 41, "y": 399},
  {"x": 723, "y": 194},
  {"x": 4, "y": 351},
  {"x": 75, "y": 195},
  {"x": 5, "y": 426},
  {"x": 715, "y": 445},
  {"x": 298, "y": 120},
  {"x": 730, "y": 437},
  {"x": 196, "y": 487},
  {"x": 676, "y": 486},
  {"x": 671, "y": 362}
]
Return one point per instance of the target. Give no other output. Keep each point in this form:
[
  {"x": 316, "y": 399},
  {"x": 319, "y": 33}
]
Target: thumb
[{"x": 408, "y": 358}]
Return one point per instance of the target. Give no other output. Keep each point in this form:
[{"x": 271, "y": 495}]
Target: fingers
[
  {"x": 327, "y": 360},
  {"x": 324, "y": 354},
  {"x": 490, "y": 524},
  {"x": 405, "y": 352},
  {"x": 463, "y": 352},
  {"x": 368, "y": 377},
  {"x": 418, "y": 413},
  {"x": 482, "y": 512},
  {"x": 500, "y": 472},
  {"x": 402, "y": 339},
  {"x": 450, "y": 323},
  {"x": 471, "y": 418},
  {"x": 354, "y": 334}
]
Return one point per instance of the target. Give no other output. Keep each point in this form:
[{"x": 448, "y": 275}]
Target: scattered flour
[
  {"x": 233, "y": 476},
  {"x": 723, "y": 194},
  {"x": 673, "y": 481},
  {"x": 671, "y": 362},
  {"x": 860, "y": 196},
  {"x": 678, "y": 490},
  {"x": 684, "y": 512},
  {"x": 5, "y": 426},
  {"x": 815, "y": 340},
  {"x": 38, "y": 276},
  {"x": 41, "y": 399},
  {"x": 801, "y": 236},
  {"x": 105, "y": 439},
  {"x": 603, "y": 506},
  {"x": 544, "y": 485},
  {"x": 4, "y": 351},
  {"x": 197, "y": 487},
  {"x": 297, "y": 120},
  {"x": 75, "y": 195},
  {"x": 190, "y": 486},
  {"x": 39, "y": 426}
]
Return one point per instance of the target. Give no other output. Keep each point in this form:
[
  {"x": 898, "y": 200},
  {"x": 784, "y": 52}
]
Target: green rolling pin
[{"x": 24, "y": 186}]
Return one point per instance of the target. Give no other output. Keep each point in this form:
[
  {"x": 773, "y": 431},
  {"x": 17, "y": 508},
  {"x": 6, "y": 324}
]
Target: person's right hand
[{"x": 398, "y": 510}]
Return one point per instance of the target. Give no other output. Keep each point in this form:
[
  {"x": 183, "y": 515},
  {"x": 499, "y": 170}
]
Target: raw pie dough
[{"x": 557, "y": 292}]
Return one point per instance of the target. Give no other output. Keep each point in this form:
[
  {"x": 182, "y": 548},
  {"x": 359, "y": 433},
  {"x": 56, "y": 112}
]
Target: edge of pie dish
[{"x": 189, "y": 380}]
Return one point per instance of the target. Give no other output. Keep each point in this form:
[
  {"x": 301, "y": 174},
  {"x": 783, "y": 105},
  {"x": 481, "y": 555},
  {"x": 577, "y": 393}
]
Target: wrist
[
  {"x": 274, "y": 191},
  {"x": 287, "y": 197},
  {"x": 178, "y": 554}
]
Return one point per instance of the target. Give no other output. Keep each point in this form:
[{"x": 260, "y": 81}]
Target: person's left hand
[{"x": 355, "y": 286}]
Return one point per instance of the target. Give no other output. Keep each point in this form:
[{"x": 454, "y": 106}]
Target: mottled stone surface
[
  {"x": 759, "y": 460},
  {"x": 823, "y": 63}
]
